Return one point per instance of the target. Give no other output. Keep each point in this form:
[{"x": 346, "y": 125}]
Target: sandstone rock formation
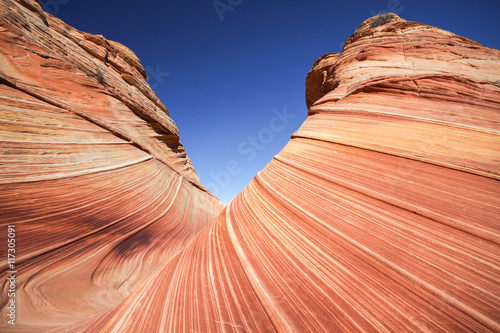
[
  {"x": 92, "y": 171},
  {"x": 381, "y": 214}
]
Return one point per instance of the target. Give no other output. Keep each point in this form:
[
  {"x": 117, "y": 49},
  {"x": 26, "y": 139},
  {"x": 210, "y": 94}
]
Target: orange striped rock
[{"x": 382, "y": 213}]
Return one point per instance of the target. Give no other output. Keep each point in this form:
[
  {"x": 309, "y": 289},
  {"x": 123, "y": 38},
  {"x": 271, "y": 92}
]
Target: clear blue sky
[{"x": 233, "y": 77}]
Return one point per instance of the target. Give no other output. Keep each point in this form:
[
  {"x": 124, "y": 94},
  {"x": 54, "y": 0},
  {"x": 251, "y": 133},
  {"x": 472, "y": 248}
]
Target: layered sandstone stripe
[
  {"x": 92, "y": 172},
  {"x": 382, "y": 214}
]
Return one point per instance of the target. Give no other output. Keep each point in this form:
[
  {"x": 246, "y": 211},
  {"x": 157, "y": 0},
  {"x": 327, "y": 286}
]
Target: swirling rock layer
[
  {"x": 381, "y": 214},
  {"x": 92, "y": 172}
]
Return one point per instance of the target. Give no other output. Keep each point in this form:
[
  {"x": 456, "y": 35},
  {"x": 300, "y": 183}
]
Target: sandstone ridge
[
  {"x": 93, "y": 174},
  {"x": 380, "y": 214}
]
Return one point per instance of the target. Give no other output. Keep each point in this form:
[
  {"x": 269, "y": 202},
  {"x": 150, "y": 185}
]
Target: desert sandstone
[{"x": 382, "y": 213}]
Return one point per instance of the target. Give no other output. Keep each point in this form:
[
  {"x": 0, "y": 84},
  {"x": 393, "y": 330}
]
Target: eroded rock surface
[
  {"x": 381, "y": 213},
  {"x": 92, "y": 173}
]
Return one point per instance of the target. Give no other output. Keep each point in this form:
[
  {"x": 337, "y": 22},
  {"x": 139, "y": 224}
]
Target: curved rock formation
[
  {"x": 381, "y": 214},
  {"x": 92, "y": 174}
]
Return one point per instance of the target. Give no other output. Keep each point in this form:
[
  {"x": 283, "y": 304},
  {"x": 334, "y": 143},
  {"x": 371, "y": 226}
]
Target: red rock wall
[
  {"x": 92, "y": 172},
  {"x": 381, "y": 213}
]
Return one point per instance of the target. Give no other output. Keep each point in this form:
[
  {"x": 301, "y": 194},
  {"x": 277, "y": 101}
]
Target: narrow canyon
[{"x": 381, "y": 214}]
